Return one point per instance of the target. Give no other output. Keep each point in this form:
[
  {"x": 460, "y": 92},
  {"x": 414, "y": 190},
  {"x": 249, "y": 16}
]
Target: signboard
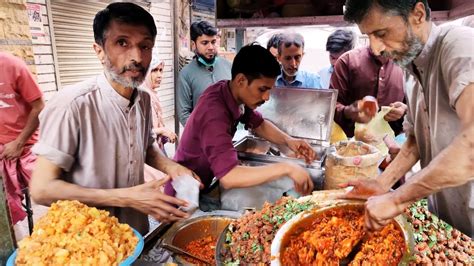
[{"x": 35, "y": 19}]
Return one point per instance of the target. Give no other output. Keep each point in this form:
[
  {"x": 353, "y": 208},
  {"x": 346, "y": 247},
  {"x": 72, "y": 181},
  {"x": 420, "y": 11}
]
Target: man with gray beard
[
  {"x": 96, "y": 135},
  {"x": 440, "y": 119}
]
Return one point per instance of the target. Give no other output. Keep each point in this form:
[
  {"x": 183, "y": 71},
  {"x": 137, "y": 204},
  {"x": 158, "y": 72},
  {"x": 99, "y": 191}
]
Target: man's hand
[
  {"x": 12, "y": 150},
  {"x": 162, "y": 131},
  {"x": 303, "y": 182},
  {"x": 362, "y": 189},
  {"x": 354, "y": 113},
  {"x": 148, "y": 198},
  {"x": 380, "y": 210},
  {"x": 174, "y": 170},
  {"x": 169, "y": 134},
  {"x": 301, "y": 149},
  {"x": 398, "y": 111}
]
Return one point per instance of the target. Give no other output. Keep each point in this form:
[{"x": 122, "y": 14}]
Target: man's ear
[
  {"x": 241, "y": 80},
  {"x": 418, "y": 14},
  {"x": 99, "y": 51},
  {"x": 193, "y": 45}
]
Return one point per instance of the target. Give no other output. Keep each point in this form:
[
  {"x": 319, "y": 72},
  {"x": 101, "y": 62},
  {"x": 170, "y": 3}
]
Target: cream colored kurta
[
  {"x": 446, "y": 67},
  {"x": 99, "y": 139}
]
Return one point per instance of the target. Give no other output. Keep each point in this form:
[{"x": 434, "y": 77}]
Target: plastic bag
[
  {"x": 374, "y": 132},
  {"x": 187, "y": 189}
]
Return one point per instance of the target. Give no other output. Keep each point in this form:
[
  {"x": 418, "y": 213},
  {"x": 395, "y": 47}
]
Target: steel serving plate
[{"x": 183, "y": 232}]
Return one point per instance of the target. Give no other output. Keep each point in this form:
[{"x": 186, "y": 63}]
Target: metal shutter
[{"x": 74, "y": 36}]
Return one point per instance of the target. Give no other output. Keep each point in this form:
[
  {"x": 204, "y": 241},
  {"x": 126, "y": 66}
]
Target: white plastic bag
[{"x": 187, "y": 189}]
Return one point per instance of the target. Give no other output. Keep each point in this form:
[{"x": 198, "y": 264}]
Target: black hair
[
  {"x": 200, "y": 28},
  {"x": 356, "y": 10},
  {"x": 255, "y": 62},
  {"x": 290, "y": 39},
  {"x": 340, "y": 41},
  {"x": 127, "y": 13},
  {"x": 274, "y": 40}
]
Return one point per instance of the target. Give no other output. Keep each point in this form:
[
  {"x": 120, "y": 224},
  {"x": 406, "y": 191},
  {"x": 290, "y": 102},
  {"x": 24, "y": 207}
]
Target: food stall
[{"x": 251, "y": 236}]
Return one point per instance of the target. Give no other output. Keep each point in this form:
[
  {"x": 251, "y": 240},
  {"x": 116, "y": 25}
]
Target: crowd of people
[{"x": 102, "y": 138}]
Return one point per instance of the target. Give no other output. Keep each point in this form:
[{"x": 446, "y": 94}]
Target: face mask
[{"x": 206, "y": 62}]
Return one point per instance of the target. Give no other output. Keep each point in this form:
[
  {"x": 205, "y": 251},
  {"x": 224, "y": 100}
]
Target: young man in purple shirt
[{"x": 206, "y": 144}]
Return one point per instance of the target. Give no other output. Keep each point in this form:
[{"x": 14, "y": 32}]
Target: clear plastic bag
[
  {"x": 187, "y": 189},
  {"x": 374, "y": 132}
]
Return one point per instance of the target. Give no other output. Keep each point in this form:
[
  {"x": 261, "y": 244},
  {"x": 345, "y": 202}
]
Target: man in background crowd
[
  {"x": 359, "y": 73},
  {"x": 338, "y": 43},
  {"x": 206, "y": 69},
  {"x": 290, "y": 55},
  {"x": 21, "y": 101},
  {"x": 272, "y": 44}
]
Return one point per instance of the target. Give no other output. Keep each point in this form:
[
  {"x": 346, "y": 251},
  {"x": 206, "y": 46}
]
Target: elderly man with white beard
[
  {"x": 440, "y": 119},
  {"x": 96, "y": 135}
]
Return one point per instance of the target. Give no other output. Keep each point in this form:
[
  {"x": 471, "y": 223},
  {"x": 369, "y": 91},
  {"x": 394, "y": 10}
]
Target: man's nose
[
  {"x": 376, "y": 45},
  {"x": 266, "y": 95},
  {"x": 135, "y": 54}
]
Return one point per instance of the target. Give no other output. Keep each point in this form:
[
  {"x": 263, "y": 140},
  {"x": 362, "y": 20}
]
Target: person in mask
[
  {"x": 290, "y": 55},
  {"x": 206, "y": 69}
]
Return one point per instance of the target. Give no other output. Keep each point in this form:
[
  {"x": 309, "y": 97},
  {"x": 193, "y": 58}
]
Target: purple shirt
[
  {"x": 359, "y": 73},
  {"x": 206, "y": 144}
]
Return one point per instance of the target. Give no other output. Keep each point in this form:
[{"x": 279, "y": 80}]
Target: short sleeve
[
  {"x": 26, "y": 84},
  {"x": 216, "y": 143},
  {"x": 458, "y": 56},
  {"x": 251, "y": 119},
  {"x": 59, "y": 142}
]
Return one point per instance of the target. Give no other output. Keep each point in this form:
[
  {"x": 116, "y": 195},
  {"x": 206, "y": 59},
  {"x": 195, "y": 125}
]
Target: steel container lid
[{"x": 306, "y": 113}]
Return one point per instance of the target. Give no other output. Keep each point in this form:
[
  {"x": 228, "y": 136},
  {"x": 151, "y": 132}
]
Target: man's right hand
[
  {"x": 303, "y": 182},
  {"x": 363, "y": 189},
  {"x": 355, "y": 114},
  {"x": 148, "y": 199}
]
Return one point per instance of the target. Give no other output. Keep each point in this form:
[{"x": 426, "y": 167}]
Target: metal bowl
[
  {"x": 277, "y": 244},
  {"x": 183, "y": 232}
]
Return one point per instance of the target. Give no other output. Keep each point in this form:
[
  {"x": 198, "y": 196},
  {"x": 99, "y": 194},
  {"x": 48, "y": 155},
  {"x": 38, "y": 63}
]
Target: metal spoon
[{"x": 180, "y": 251}]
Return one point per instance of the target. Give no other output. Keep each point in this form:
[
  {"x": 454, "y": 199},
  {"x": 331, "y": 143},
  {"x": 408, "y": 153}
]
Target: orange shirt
[{"x": 17, "y": 89}]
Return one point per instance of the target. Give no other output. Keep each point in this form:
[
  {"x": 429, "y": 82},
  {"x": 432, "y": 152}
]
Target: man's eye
[
  {"x": 214, "y": 42},
  {"x": 205, "y": 43},
  {"x": 380, "y": 34},
  {"x": 122, "y": 43},
  {"x": 146, "y": 47}
]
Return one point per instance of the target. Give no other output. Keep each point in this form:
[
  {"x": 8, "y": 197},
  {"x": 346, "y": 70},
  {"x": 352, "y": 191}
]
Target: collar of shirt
[
  {"x": 234, "y": 108},
  {"x": 281, "y": 81},
  {"x": 113, "y": 95},
  {"x": 423, "y": 58}
]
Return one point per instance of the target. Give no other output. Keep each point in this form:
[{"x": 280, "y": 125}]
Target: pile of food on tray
[
  {"x": 204, "y": 248},
  {"x": 249, "y": 238},
  {"x": 73, "y": 233},
  {"x": 331, "y": 236},
  {"x": 436, "y": 241}
]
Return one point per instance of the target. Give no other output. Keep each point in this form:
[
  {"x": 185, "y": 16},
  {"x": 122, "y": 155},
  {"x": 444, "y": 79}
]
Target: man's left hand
[
  {"x": 12, "y": 150},
  {"x": 301, "y": 149},
  {"x": 174, "y": 170},
  {"x": 398, "y": 111},
  {"x": 380, "y": 210}
]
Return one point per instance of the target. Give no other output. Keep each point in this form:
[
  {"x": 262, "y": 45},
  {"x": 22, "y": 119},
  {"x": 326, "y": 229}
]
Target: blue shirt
[
  {"x": 303, "y": 79},
  {"x": 325, "y": 75}
]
